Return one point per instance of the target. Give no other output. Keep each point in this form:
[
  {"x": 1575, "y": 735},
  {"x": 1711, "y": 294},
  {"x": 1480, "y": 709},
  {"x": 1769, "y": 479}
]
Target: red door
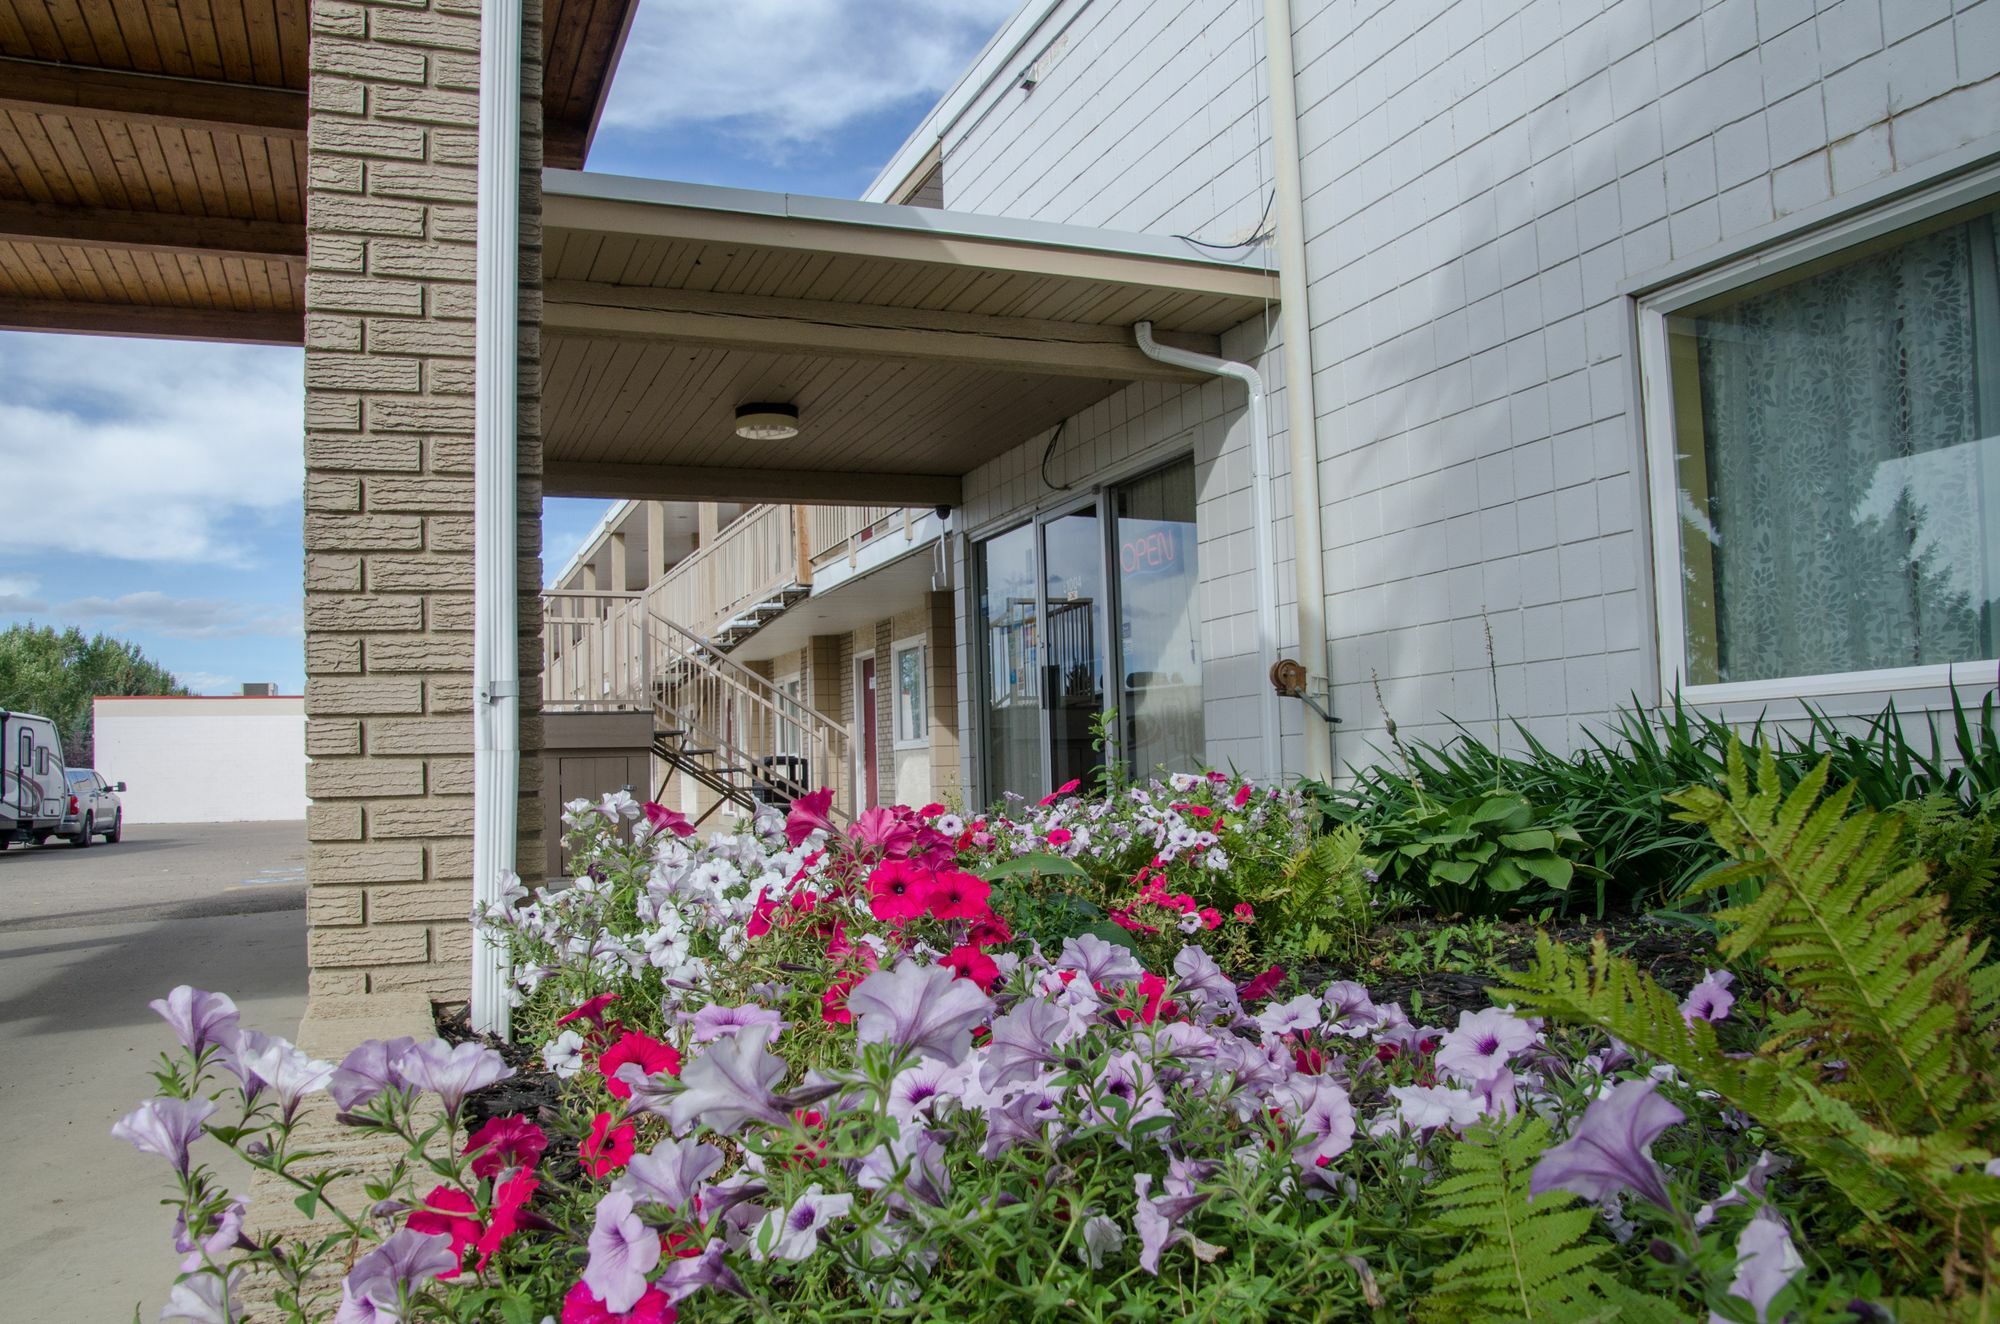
[{"x": 869, "y": 753}]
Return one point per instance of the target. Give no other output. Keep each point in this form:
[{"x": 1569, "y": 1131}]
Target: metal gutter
[
  {"x": 1266, "y": 557},
  {"x": 496, "y": 682},
  {"x": 1295, "y": 325}
]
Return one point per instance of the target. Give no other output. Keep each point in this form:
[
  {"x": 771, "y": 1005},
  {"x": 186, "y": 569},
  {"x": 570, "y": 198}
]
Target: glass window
[
  {"x": 78, "y": 776},
  {"x": 1837, "y": 456},
  {"x": 911, "y": 726},
  {"x": 1159, "y": 702},
  {"x": 1006, "y": 635}
]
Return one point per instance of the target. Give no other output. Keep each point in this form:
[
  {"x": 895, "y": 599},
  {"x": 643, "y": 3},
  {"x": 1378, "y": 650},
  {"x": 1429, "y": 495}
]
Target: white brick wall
[{"x": 1486, "y": 183}]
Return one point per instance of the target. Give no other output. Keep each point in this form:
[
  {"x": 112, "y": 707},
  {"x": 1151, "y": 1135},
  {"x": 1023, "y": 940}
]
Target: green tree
[{"x": 57, "y": 673}]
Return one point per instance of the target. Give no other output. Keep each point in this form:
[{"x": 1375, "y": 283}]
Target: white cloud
[
  {"x": 209, "y": 682},
  {"x": 17, "y": 593},
  {"x": 144, "y": 449},
  {"x": 781, "y": 73},
  {"x": 185, "y": 618}
]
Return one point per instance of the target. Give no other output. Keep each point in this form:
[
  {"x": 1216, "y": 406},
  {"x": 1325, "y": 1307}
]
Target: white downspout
[
  {"x": 1260, "y": 512},
  {"x": 496, "y": 677},
  {"x": 1296, "y": 327}
]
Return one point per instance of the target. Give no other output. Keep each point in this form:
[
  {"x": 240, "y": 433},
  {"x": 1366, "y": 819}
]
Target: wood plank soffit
[{"x": 43, "y": 88}]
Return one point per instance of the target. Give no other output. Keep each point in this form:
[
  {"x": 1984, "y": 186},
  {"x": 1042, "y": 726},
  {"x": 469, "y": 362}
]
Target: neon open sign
[{"x": 1149, "y": 553}]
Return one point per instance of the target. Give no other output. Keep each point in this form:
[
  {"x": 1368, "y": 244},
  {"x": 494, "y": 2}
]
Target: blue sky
[{"x": 166, "y": 476}]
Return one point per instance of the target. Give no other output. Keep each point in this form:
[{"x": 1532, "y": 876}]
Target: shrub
[{"x": 1485, "y": 854}]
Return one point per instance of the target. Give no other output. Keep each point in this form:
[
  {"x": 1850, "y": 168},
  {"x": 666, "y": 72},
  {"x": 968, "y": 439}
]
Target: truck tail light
[{"x": 72, "y": 804}]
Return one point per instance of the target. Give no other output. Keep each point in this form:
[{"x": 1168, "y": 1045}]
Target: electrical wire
[
  {"x": 1258, "y": 236},
  {"x": 1054, "y": 437}
]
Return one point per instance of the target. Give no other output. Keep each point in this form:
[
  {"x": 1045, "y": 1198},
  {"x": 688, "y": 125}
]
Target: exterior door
[
  {"x": 1073, "y": 619},
  {"x": 870, "y": 745}
]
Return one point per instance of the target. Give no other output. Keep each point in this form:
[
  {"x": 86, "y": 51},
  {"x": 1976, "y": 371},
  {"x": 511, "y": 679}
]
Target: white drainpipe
[
  {"x": 1266, "y": 557},
  {"x": 496, "y": 677},
  {"x": 1296, "y": 327}
]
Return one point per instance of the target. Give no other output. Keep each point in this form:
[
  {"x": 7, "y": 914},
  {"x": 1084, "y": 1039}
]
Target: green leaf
[
  {"x": 308, "y": 1204},
  {"x": 1532, "y": 839},
  {"x": 1112, "y": 933},
  {"x": 1035, "y": 863},
  {"x": 1551, "y": 869},
  {"x": 1454, "y": 871}
]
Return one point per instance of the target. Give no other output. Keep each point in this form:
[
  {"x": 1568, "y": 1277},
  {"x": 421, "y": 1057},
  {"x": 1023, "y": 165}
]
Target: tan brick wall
[{"x": 392, "y": 153}]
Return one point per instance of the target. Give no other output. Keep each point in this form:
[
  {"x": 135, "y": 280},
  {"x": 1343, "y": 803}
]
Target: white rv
[{"x": 34, "y": 787}]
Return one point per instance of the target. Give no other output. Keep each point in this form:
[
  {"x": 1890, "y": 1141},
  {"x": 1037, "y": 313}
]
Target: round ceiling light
[{"x": 767, "y": 422}]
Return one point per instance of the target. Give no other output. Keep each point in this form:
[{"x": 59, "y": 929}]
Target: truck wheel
[
  {"x": 87, "y": 836},
  {"x": 117, "y": 831}
]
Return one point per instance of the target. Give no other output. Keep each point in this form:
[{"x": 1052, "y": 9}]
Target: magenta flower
[
  {"x": 921, "y": 1007},
  {"x": 730, "y": 1084},
  {"x": 714, "y": 1021},
  {"x": 1610, "y": 1150},
  {"x": 1098, "y": 961},
  {"x": 375, "y": 1288},
  {"x": 367, "y": 1071},
  {"x": 165, "y": 1127},
  {"x": 451, "y": 1072},
  {"x": 1483, "y": 1043},
  {"x": 1766, "y": 1262},
  {"x": 809, "y": 814},
  {"x": 879, "y": 835},
  {"x": 1710, "y": 1000},
  {"x": 664, "y": 819},
  {"x": 670, "y": 1175},
  {"x": 623, "y": 1250},
  {"x": 199, "y": 1020}
]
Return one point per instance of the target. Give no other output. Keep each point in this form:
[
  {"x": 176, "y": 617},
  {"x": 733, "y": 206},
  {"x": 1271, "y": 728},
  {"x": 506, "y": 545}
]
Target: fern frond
[
  {"x": 1886, "y": 991},
  {"x": 1526, "y": 1259}
]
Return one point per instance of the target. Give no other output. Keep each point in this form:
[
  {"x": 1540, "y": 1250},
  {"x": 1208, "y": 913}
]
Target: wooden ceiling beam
[
  {"x": 43, "y": 88},
  {"x": 671, "y": 482},
  {"x": 803, "y": 326},
  {"x": 152, "y": 322},
  {"x": 153, "y": 232}
]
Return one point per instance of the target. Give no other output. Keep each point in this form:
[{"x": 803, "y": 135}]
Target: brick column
[{"x": 391, "y": 174}]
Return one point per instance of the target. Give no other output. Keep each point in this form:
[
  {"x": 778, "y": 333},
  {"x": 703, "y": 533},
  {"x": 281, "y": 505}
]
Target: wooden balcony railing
[{"x": 756, "y": 559}]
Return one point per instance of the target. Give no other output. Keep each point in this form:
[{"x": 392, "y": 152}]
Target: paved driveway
[{"x": 87, "y": 937}]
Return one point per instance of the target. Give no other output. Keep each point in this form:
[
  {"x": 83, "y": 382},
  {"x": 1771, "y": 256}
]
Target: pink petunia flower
[
  {"x": 506, "y": 1142},
  {"x": 450, "y": 1211},
  {"x": 608, "y": 1147},
  {"x": 583, "y": 1306},
  {"x": 897, "y": 891},
  {"x": 651, "y": 1056}
]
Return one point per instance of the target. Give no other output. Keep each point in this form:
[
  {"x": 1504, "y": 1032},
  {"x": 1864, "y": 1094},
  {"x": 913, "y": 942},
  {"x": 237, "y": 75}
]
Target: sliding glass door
[{"x": 1102, "y": 589}]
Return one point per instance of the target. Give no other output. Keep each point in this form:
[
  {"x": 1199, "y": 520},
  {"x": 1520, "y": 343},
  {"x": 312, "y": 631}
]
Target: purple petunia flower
[
  {"x": 1425, "y": 1108},
  {"x": 374, "y": 1289},
  {"x": 1710, "y": 1000},
  {"x": 914, "y": 1092},
  {"x": 1350, "y": 1011},
  {"x": 714, "y": 1021},
  {"x": 367, "y": 1071},
  {"x": 1198, "y": 977},
  {"x": 1740, "y": 1191},
  {"x": 451, "y": 1072},
  {"x": 1322, "y": 1124},
  {"x": 793, "y": 1233},
  {"x": 200, "y": 1020},
  {"x": 1157, "y": 1219},
  {"x": 1023, "y": 1041},
  {"x": 730, "y": 1084},
  {"x": 1281, "y": 1018},
  {"x": 623, "y": 1250},
  {"x": 221, "y": 1233},
  {"x": 282, "y": 1067},
  {"x": 683, "y": 1277},
  {"x": 1098, "y": 961},
  {"x": 1483, "y": 1043},
  {"x": 671, "y": 1174},
  {"x": 1021, "y": 1117},
  {"x": 202, "y": 1298},
  {"x": 920, "y": 1007},
  {"x": 1101, "y": 1237},
  {"x": 1766, "y": 1261},
  {"x": 165, "y": 1127},
  {"x": 1610, "y": 1149},
  {"x": 918, "y": 1157}
]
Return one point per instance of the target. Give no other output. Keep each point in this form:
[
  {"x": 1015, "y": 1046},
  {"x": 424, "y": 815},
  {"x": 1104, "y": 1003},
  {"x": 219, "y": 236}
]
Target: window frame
[
  {"x": 1660, "y": 442},
  {"x": 898, "y": 738}
]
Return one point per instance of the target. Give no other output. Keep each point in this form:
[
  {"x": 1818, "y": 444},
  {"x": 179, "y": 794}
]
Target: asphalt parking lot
[{"x": 87, "y": 937}]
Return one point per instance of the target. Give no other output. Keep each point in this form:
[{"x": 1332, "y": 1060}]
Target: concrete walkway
[{"x": 86, "y": 939}]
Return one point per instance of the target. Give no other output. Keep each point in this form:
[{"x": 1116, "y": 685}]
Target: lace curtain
[{"x": 1849, "y": 482}]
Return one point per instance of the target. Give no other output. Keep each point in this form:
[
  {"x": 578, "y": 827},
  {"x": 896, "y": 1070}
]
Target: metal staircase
[{"x": 717, "y": 723}]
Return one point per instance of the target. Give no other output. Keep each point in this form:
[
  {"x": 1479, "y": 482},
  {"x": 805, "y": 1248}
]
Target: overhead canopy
[
  {"x": 153, "y": 159},
  {"x": 916, "y": 344}
]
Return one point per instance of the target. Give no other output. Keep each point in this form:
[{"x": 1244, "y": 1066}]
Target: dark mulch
[
  {"x": 1675, "y": 954},
  {"x": 532, "y": 1091}
]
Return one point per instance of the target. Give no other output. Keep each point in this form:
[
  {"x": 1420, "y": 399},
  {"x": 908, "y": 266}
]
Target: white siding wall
[
  {"x": 1487, "y": 182},
  {"x": 204, "y": 760}
]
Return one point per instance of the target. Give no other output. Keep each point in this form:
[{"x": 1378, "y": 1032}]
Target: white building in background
[
  {"x": 1654, "y": 345},
  {"x": 204, "y": 760}
]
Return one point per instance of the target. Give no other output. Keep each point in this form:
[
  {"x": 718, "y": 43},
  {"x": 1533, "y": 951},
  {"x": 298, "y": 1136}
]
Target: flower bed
[{"x": 1034, "y": 1065}]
